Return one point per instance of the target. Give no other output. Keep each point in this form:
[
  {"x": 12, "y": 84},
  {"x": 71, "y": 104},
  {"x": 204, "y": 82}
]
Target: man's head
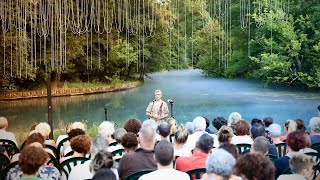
[
  {"x": 218, "y": 122},
  {"x": 3, "y": 123},
  {"x": 164, "y": 129},
  {"x": 157, "y": 94},
  {"x": 118, "y": 134},
  {"x": 275, "y": 130},
  {"x": 199, "y": 124},
  {"x": 315, "y": 125},
  {"x": 257, "y": 130},
  {"x": 302, "y": 164},
  {"x": 147, "y": 134},
  {"x": 261, "y": 144},
  {"x": 267, "y": 121},
  {"x": 164, "y": 153},
  {"x": 220, "y": 163},
  {"x": 205, "y": 143}
]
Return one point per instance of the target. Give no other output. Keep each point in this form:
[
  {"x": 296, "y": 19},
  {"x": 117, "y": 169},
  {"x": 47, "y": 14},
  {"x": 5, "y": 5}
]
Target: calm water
[{"x": 193, "y": 95}]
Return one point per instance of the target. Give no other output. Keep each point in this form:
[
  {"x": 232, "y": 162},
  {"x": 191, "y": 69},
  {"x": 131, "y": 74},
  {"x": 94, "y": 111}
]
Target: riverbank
[{"x": 70, "y": 91}]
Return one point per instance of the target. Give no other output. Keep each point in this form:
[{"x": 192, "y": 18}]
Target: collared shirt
[
  {"x": 154, "y": 108},
  {"x": 291, "y": 177},
  {"x": 166, "y": 174},
  {"x": 137, "y": 161},
  {"x": 197, "y": 160},
  {"x": 8, "y": 135},
  {"x": 193, "y": 138}
]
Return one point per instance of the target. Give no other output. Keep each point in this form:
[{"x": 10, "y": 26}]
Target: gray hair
[
  {"x": 221, "y": 163},
  {"x": 199, "y": 124},
  {"x": 275, "y": 130},
  {"x": 189, "y": 127},
  {"x": 99, "y": 143},
  {"x": 106, "y": 129},
  {"x": 118, "y": 134},
  {"x": 102, "y": 160},
  {"x": 261, "y": 144},
  {"x": 234, "y": 117},
  {"x": 299, "y": 162},
  {"x": 315, "y": 124},
  {"x": 148, "y": 131}
]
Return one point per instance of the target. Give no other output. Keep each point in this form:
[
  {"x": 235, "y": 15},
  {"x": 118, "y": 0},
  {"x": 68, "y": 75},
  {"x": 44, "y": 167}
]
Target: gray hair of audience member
[
  {"x": 261, "y": 144},
  {"x": 205, "y": 143},
  {"x": 199, "y": 124},
  {"x": 315, "y": 125},
  {"x": 275, "y": 130},
  {"x": 299, "y": 162},
  {"x": 164, "y": 153},
  {"x": 257, "y": 130},
  {"x": 164, "y": 129},
  {"x": 148, "y": 131},
  {"x": 99, "y": 143},
  {"x": 234, "y": 117},
  {"x": 189, "y": 127},
  {"x": 118, "y": 134},
  {"x": 221, "y": 163},
  {"x": 103, "y": 159}
]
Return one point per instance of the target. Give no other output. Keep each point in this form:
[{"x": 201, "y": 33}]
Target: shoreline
[{"x": 11, "y": 96}]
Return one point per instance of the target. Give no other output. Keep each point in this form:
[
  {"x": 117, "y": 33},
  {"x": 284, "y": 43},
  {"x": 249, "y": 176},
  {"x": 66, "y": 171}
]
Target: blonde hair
[
  {"x": 225, "y": 134},
  {"x": 181, "y": 135},
  {"x": 78, "y": 125},
  {"x": 290, "y": 126},
  {"x": 157, "y": 91},
  {"x": 106, "y": 129},
  {"x": 3, "y": 122},
  {"x": 173, "y": 124},
  {"x": 44, "y": 129}
]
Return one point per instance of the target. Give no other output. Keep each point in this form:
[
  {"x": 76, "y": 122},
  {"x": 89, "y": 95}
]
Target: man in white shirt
[
  {"x": 3, "y": 133},
  {"x": 157, "y": 109},
  {"x": 164, "y": 157}
]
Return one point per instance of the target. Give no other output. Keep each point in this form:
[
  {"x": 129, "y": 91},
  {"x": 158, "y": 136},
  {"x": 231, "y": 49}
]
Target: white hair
[
  {"x": 157, "y": 91},
  {"x": 106, "y": 129},
  {"x": 199, "y": 124},
  {"x": 234, "y": 117},
  {"x": 221, "y": 163},
  {"x": 44, "y": 129},
  {"x": 275, "y": 130},
  {"x": 315, "y": 124},
  {"x": 78, "y": 125},
  {"x": 3, "y": 122},
  {"x": 98, "y": 143},
  {"x": 148, "y": 131}
]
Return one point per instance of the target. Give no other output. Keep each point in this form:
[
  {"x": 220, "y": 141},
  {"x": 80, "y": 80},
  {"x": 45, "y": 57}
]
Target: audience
[
  {"x": 261, "y": 145},
  {"x": 315, "y": 130},
  {"x": 104, "y": 174},
  {"x": 254, "y": 166},
  {"x": 218, "y": 122},
  {"x": 301, "y": 166},
  {"x": 129, "y": 142},
  {"x": 225, "y": 134},
  {"x": 289, "y": 126},
  {"x": 118, "y": 134},
  {"x": 164, "y": 156},
  {"x": 73, "y": 133},
  {"x": 180, "y": 138},
  {"x": 132, "y": 125},
  {"x": 78, "y": 125},
  {"x": 80, "y": 146},
  {"x": 231, "y": 148},
  {"x": 164, "y": 129},
  {"x": 255, "y": 121},
  {"x": 142, "y": 158},
  {"x": 3, "y": 133},
  {"x": 267, "y": 122},
  {"x": 308, "y": 148},
  {"x": 173, "y": 124},
  {"x": 300, "y": 125},
  {"x": 208, "y": 130},
  {"x": 241, "y": 128},
  {"x": 63, "y": 136},
  {"x": 106, "y": 129},
  {"x": 203, "y": 147},
  {"x": 189, "y": 127},
  {"x": 234, "y": 118},
  {"x": 103, "y": 160},
  {"x": 275, "y": 133},
  {"x": 45, "y": 130}
]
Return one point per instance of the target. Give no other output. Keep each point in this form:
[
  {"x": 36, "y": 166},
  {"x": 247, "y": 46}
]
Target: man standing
[{"x": 157, "y": 109}]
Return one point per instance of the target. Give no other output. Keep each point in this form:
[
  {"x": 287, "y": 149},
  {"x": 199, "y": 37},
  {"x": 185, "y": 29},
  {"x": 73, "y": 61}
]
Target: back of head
[
  {"x": 299, "y": 162},
  {"x": 207, "y": 122},
  {"x": 261, "y": 144},
  {"x": 173, "y": 124},
  {"x": 225, "y": 134},
  {"x": 164, "y": 153},
  {"x": 129, "y": 140},
  {"x": 290, "y": 126},
  {"x": 234, "y": 117},
  {"x": 147, "y": 133},
  {"x": 103, "y": 159},
  {"x": 267, "y": 121},
  {"x": 81, "y": 144},
  {"x": 315, "y": 124},
  {"x": 3, "y": 122},
  {"x": 31, "y": 159},
  {"x": 164, "y": 129},
  {"x": 241, "y": 128},
  {"x": 205, "y": 143},
  {"x": 189, "y": 127},
  {"x": 275, "y": 130},
  {"x": 132, "y": 125},
  {"x": 75, "y": 132},
  {"x": 181, "y": 135},
  {"x": 35, "y": 137},
  {"x": 106, "y": 129},
  {"x": 257, "y": 130},
  {"x": 199, "y": 124},
  {"x": 296, "y": 140},
  {"x": 104, "y": 174},
  {"x": 300, "y": 125},
  {"x": 231, "y": 148},
  {"x": 44, "y": 129},
  {"x": 118, "y": 134},
  {"x": 218, "y": 122},
  {"x": 221, "y": 163},
  {"x": 98, "y": 144},
  {"x": 255, "y": 166},
  {"x": 78, "y": 125},
  {"x": 255, "y": 121}
]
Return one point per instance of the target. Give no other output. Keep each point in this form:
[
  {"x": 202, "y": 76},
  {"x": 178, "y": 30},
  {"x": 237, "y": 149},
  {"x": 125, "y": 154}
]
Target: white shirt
[
  {"x": 82, "y": 171},
  {"x": 60, "y": 138},
  {"x": 291, "y": 177},
  {"x": 166, "y": 174},
  {"x": 193, "y": 138},
  {"x": 184, "y": 152},
  {"x": 114, "y": 148},
  {"x": 8, "y": 135},
  {"x": 241, "y": 140}
]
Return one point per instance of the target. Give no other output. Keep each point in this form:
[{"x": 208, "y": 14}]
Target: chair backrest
[
  {"x": 316, "y": 158},
  {"x": 113, "y": 144},
  {"x": 171, "y": 137},
  {"x": 66, "y": 166},
  {"x": 196, "y": 173},
  {"x": 5, "y": 171},
  {"x": 7, "y": 141},
  {"x": 11, "y": 150},
  {"x": 316, "y": 146},
  {"x": 243, "y": 147},
  {"x": 69, "y": 154},
  {"x": 118, "y": 152},
  {"x": 138, "y": 174},
  {"x": 4, "y": 161},
  {"x": 22, "y": 145},
  {"x": 61, "y": 144},
  {"x": 282, "y": 149},
  {"x": 53, "y": 161},
  {"x": 54, "y": 150},
  {"x": 272, "y": 157}
]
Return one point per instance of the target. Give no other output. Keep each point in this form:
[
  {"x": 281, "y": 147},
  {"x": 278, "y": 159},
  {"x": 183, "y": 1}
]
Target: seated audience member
[
  {"x": 225, "y": 134},
  {"x": 104, "y": 174},
  {"x": 164, "y": 157},
  {"x": 255, "y": 121},
  {"x": 295, "y": 141},
  {"x": 82, "y": 171},
  {"x": 218, "y": 122},
  {"x": 301, "y": 166},
  {"x": 78, "y": 125},
  {"x": 118, "y": 134},
  {"x": 241, "y": 129},
  {"x": 289, "y": 126},
  {"x": 307, "y": 149},
  {"x": 132, "y": 125},
  {"x": 180, "y": 138},
  {"x": 231, "y": 148},
  {"x": 261, "y": 145},
  {"x": 173, "y": 124},
  {"x": 220, "y": 165},
  {"x": 208, "y": 130},
  {"x": 73, "y": 133},
  {"x": 315, "y": 130},
  {"x": 267, "y": 122},
  {"x": 189, "y": 127},
  {"x": 103, "y": 160},
  {"x": 300, "y": 125},
  {"x": 254, "y": 166},
  {"x": 80, "y": 146},
  {"x": 199, "y": 156},
  {"x": 106, "y": 129},
  {"x": 142, "y": 158},
  {"x": 33, "y": 156},
  {"x": 199, "y": 124},
  {"x": 275, "y": 133},
  {"x": 45, "y": 130},
  {"x": 129, "y": 142},
  {"x": 3, "y": 133},
  {"x": 164, "y": 130},
  {"x": 63, "y": 136},
  {"x": 234, "y": 118}
]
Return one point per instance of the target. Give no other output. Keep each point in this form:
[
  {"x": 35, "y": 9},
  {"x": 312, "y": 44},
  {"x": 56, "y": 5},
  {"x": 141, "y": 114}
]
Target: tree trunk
[{"x": 56, "y": 80}]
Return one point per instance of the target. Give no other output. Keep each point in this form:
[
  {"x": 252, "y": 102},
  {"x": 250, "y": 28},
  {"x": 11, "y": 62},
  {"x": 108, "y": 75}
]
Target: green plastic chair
[
  {"x": 53, "y": 161},
  {"x": 316, "y": 146},
  {"x": 138, "y": 174},
  {"x": 243, "y": 147},
  {"x": 5, "y": 171},
  {"x": 118, "y": 152},
  {"x": 66, "y": 166},
  {"x": 196, "y": 173},
  {"x": 61, "y": 143},
  {"x": 4, "y": 161},
  {"x": 69, "y": 154},
  {"x": 113, "y": 144},
  {"x": 282, "y": 149},
  {"x": 316, "y": 158},
  {"x": 6, "y": 141},
  {"x": 272, "y": 157},
  {"x": 11, "y": 150}
]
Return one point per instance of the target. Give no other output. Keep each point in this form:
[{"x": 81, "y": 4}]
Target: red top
[{"x": 197, "y": 160}]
